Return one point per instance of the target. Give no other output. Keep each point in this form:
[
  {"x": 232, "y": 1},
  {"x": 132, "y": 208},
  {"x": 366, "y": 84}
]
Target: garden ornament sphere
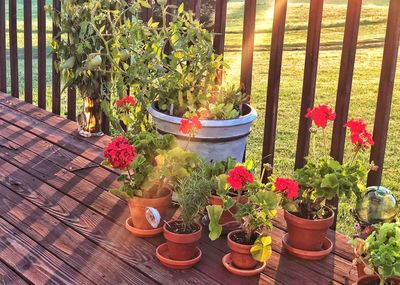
[{"x": 378, "y": 205}]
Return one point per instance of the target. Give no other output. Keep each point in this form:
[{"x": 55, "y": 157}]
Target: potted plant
[
  {"x": 100, "y": 52},
  {"x": 188, "y": 88},
  {"x": 183, "y": 233},
  {"x": 380, "y": 255},
  {"x": 308, "y": 216},
  {"x": 251, "y": 244}
]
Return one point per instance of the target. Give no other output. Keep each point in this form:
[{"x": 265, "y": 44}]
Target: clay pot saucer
[
  {"x": 327, "y": 247},
  {"x": 163, "y": 256},
  {"x": 141, "y": 232},
  {"x": 227, "y": 262}
]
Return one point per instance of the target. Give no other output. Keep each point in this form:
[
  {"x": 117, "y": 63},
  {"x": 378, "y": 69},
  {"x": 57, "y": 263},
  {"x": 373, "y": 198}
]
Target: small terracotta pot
[
  {"x": 226, "y": 216},
  {"x": 138, "y": 205},
  {"x": 374, "y": 280},
  {"x": 182, "y": 246},
  {"x": 240, "y": 253},
  {"x": 307, "y": 234}
]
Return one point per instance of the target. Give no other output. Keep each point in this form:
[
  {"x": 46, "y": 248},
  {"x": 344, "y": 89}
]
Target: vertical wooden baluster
[
  {"x": 310, "y": 79},
  {"x": 249, "y": 23},
  {"x": 3, "y": 78},
  {"x": 41, "y": 53},
  {"x": 147, "y": 13},
  {"x": 388, "y": 72},
  {"x": 56, "y": 84},
  {"x": 28, "y": 50},
  {"x": 194, "y": 6},
  {"x": 274, "y": 77},
  {"x": 71, "y": 104},
  {"x": 344, "y": 84},
  {"x": 13, "y": 48},
  {"x": 219, "y": 26}
]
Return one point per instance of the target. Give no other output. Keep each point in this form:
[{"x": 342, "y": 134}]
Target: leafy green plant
[
  {"x": 188, "y": 86},
  {"x": 193, "y": 192},
  {"x": 380, "y": 252},
  {"x": 254, "y": 216},
  {"x": 322, "y": 178}
]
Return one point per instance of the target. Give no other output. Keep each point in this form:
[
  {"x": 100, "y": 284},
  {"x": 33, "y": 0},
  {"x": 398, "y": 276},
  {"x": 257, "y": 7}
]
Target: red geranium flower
[
  {"x": 288, "y": 186},
  {"x": 321, "y": 115},
  {"x": 190, "y": 125},
  {"x": 120, "y": 153},
  {"x": 128, "y": 101},
  {"x": 238, "y": 177},
  {"x": 359, "y": 134}
]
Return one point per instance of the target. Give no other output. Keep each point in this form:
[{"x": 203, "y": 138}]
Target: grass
[{"x": 365, "y": 82}]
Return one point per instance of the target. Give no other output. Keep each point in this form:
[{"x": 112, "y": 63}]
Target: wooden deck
[{"x": 58, "y": 224}]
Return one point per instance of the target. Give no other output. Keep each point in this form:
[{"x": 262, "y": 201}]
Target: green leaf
[
  {"x": 330, "y": 181},
  {"x": 180, "y": 9},
  {"x": 69, "y": 63},
  {"x": 214, "y": 214},
  {"x": 262, "y": 250}
]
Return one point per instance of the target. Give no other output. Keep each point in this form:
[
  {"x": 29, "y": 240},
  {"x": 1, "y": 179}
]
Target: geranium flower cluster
[
  {"x": 359, "y": 134},
  {"x": 120, "y": 153},
  {"x": 238, "y": 177},
  {"x": 287, "y": 186},
  {"x": 126, "y": 101},
  {"x": 190, "y": 126},
  {"x": 321, "y": 115}
]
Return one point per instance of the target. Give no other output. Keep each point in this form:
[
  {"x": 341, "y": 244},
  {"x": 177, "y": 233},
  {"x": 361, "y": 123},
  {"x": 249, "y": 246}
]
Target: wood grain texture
[
  {"x": 33, "y": 261},
  {"x": 41, "y": 63},
  {"x": 93, "y": 262},
  {"x": 309, "y": 80},
  {"x": 100, "y": 230},
  {"x": 13, "y": 47},
  {"x": 274, "y": 78},
  {"x": 28, "y": 50},
  {"x": 9, "y": 277},
  {"x": 3, "y": 77},
  {"x": 385, "y": 92},
  {"x": 67, "y": 126}
]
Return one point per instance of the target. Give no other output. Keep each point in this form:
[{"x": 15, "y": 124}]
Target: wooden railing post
[
  {"x": 194, "y": 6},
  {"x": 56, "y": 84},
  {"x": 274, "y": 78},
  {"x": 220, "y": 26},
  {"x": 28, "y": 50},
  {"x": 310, "y": 80},
  {"x": 385, "y": 92},
  {"x": 13, "y": 48},
  {"x": 249, "y": 24},
  {"x": 3, "y": 69},
  {"x": 41, "y": 15}
]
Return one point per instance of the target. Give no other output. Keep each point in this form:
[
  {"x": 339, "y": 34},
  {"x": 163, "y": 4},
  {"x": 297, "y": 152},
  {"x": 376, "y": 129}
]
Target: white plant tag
[{"x": 153, "y": 217}]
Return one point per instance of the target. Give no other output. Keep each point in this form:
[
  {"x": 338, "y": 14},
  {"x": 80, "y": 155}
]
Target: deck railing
[{"x": 349, "y": 47}]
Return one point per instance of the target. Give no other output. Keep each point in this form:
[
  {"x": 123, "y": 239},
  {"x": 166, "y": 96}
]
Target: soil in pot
[
  {"x": 306, "y": 234},
  {"x": 182, "y": 243},
  {"x": 240, "y": 250},
  {"x": 138, "y": 205},
  {"x": 374, "y": 280}
]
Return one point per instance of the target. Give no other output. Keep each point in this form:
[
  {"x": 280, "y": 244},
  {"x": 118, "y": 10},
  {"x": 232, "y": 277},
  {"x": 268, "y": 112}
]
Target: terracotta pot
[
  {"x": 374, "y": 280},
  {"x": 240, "y": 253},
  {"x": 226, "y": 215},
  {"x": 182, "y": 246},
  {"x": 307, "y": 234},
  {"x": 360, "y": 270},
  {"x": 138, "y": 205}
]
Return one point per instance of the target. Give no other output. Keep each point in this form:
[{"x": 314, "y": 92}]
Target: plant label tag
[{"x": 153, "y": 217}]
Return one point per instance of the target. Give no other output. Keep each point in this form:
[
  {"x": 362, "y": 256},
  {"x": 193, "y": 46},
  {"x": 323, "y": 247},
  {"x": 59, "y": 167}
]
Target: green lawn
[{"x": 365, "y": 83}]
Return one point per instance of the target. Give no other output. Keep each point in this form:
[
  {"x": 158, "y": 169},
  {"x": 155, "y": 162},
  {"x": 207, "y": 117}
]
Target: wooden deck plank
[
  {"x": 67, "y": 126},
  {"x": 72, "y": 248},
  {"x": 82, "y": 167},
  {"x": 111, "y": 237},
  {"x": 8, "y": 276},
  {"x": 31, "y": 260},
  {"x": 76, "y": 145}
]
